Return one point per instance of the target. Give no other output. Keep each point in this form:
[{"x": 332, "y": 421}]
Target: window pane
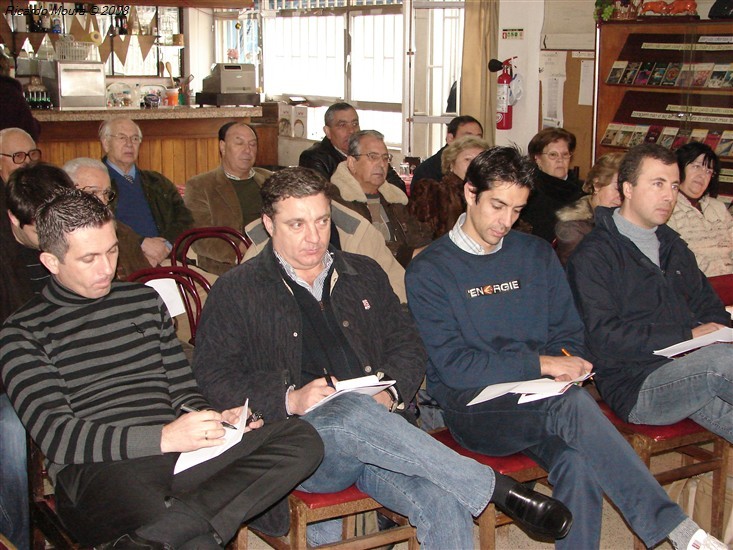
[
  {"x": 376, "y": 58},
  {"x": 304, "y": 55}
]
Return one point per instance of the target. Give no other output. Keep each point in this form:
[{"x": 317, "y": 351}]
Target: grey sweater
[{"x": 95, "y": 379}]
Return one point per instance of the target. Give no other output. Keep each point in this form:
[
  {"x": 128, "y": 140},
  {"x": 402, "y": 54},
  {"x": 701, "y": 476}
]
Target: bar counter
[{"x": 179, "y": 142}]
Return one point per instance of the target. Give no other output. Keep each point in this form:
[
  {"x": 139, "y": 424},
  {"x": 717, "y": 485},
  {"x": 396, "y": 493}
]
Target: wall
[
  {"x": 527, "y": 15},
  {"x": 199, "y": 25}
]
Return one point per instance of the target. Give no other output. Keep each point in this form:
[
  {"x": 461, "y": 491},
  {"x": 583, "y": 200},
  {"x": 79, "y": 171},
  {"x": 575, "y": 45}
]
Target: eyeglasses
[
  {"x": 554, "y": 155},
  {"x": 374, "y": 157},
  {"x": 700, "y": 168},
  {"x": 20, "y": 156},
  {"x": 106, "y": 195},
  {"x": 344, "y": 124},
  {"x": 122, "y": 139}
]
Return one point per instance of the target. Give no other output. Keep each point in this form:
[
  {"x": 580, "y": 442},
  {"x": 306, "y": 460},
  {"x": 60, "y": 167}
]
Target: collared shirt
[
  {"x": 232, "y": 177},
  {"x": 466, "y": 243},
  {"x": 317, "y": 289},
  {"x": 132, "y": 172}
]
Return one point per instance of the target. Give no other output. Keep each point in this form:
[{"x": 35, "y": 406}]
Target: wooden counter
[{"x": 179, "y": 142}]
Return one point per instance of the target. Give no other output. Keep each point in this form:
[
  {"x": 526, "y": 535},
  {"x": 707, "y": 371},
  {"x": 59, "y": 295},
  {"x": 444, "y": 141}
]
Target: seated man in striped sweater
[{"x": 96, "y": 374}]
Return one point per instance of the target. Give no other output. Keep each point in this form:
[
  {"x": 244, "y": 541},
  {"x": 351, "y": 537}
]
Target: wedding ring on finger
[{"x": 206, "y": 435}]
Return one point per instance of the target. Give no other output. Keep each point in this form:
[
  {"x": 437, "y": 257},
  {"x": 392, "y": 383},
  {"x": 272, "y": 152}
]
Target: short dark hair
[
  {"x": 31, "y": 186},
  {"x": 225, "y": 128},
  {"x": 549, "y": 135},
  {"x": 500, "y": 164},
  {"x": 291, "y": 182},
  {"x": 688, "y": 153},
  {"x": 459, "y": 121},
  {"x": 356, "y": 137},
  {"x": 333, "y": 109},
  {"x": 65, "y": 213},
  {"x": 630, "y": 166}
]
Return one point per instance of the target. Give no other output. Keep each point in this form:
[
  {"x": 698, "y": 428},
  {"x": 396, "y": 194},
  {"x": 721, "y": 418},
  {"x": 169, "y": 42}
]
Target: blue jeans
[
  {"x": 14, "y": 510},
  {"x": 697, "y": 386},
  {"x": 584, "y": 454},
  {"x": 401, "y": 467}
]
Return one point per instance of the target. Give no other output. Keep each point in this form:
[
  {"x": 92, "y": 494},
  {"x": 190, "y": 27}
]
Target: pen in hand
[
  {"x": 254, "y": 417},
  {"x": 189, "y": 409},
  {"x": 565, "y": 352},
  {"x": 328, "y": 378}
]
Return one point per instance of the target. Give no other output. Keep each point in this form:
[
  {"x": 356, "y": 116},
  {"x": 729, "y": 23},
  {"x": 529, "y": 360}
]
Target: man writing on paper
[
  {"x": 492, "y": 305},
  {"x": 283, "y": 326},
  {"x": 99, "y": 379},
  {"x": 638, "y": 289}
]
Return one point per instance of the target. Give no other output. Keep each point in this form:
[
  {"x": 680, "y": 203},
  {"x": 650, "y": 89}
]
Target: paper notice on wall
[
  {"x": 552, "y": 77},
  {"x": 585, "y": 91}
]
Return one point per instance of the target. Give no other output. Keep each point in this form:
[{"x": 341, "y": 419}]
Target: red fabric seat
[
  {"x": 320, "y": 500},
  {"x": 503, "y": 464},
  {"x": 657, "y": 433}
]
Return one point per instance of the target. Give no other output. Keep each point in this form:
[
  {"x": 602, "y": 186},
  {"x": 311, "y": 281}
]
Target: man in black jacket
[
  {"x": 286, "y": 325},
  {"x": 341, "y": 122},
  {"x": 638, "y": 289}
]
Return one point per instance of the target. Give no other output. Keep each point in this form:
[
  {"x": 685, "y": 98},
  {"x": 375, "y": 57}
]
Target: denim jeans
[
  {"x": 13, "y": 472},
  {"x": 698, "y": 385},
  {"x": 401, "y": 467},
  {"x": 584, "y": 454}
]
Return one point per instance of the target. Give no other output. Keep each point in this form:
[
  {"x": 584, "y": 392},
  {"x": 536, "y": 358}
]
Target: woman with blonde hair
[
  {"x": 577, "y": 220},
  {"x": 440, "y": 203}
]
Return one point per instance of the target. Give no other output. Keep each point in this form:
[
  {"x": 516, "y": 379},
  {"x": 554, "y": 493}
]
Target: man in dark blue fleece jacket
[{"x": 492, "y": 305}]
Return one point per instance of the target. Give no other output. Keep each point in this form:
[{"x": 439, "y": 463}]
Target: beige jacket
[
  {"x": 213, "y": 202},
  {"x": 356, "y": 234},
  {"x": 709, "y": 233}
]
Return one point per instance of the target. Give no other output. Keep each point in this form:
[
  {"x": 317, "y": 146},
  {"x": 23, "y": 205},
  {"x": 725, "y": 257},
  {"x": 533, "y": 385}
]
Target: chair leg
[
  {"x": 298, "y": 539},
  {"x": 487, "y": 528},
  {"x": 720, "y": 477}
]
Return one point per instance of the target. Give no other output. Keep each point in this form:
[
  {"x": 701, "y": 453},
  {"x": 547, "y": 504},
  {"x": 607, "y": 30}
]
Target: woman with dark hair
[
  {"x": 440, "y": 203},
  {"x": 699, "y": 217},
  {"x": 577, "y": 220},
  {"x": 555, "y": 186}
]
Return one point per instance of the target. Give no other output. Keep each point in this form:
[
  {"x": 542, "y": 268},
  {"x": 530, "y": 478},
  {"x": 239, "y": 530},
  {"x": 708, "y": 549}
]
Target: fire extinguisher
[{"x": 503, "y": 106}]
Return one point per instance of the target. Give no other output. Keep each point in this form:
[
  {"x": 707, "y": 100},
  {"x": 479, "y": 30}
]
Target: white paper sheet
[
  {"x": 168, "y": 290},
  {"x": 367, "y": 385},
  {"x": 720, "y": 335},
  {"x": 533, "y": 390},
  {"x": 231, "y": 437}
]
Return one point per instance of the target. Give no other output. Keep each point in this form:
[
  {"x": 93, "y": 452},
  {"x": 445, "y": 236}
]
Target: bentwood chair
[
  {"x": 308, "y": 508},
  {"x": 189, "y": 282},
  {"x": 517, "y": 466},
  {"x": 236, "y": 240}
]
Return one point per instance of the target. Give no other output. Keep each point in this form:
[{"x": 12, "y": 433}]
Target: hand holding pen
[{"x": 189, "y": 409}]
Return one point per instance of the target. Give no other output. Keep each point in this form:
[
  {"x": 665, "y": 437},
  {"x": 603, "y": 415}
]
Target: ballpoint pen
[
  {"x": 189, "y": 409},
  {"x": 328, "y": 378}
]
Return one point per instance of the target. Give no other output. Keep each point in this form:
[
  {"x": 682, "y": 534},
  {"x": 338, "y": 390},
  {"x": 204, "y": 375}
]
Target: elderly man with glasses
[
  {"x": 341, "y": 122},
  {"x": 361, "y": 184},
  {"x": 147, "y": 201},
  {"x": 17, "y": 149},
  {"x": 91, "y": 176}
]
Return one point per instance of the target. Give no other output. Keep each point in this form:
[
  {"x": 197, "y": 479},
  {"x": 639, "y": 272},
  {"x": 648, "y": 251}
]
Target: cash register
[{"x": 229, "y": 84}]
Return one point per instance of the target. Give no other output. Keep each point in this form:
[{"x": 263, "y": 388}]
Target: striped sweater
[{"x": 95, "y": 380}]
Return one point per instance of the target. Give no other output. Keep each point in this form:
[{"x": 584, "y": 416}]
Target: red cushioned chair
[
  {"x": 723, "y": 286},
  {"x": 231, "y": 236},
  {"x": 692, "y": 442},
  {"x": 517, "y": 466},
  {"x": 308, "y": 508}
]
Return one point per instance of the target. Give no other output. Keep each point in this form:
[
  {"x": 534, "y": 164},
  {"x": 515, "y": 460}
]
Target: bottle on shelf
[
  {"x": 57, "y": 21},
  {"x": 45, "y": 18}
]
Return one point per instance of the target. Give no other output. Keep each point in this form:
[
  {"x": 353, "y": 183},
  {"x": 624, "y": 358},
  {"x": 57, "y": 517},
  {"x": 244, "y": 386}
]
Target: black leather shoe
[
  {"x": 133, "y": 541},
  {"x": 536, "y": 513}
]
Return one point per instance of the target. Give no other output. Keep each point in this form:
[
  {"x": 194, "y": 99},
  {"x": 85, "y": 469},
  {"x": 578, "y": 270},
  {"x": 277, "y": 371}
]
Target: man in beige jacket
[{"x": 227, "y": 196}]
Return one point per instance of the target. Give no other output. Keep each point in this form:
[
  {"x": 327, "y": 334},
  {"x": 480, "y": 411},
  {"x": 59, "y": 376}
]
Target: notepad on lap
[{"x": 368, "y": 385}]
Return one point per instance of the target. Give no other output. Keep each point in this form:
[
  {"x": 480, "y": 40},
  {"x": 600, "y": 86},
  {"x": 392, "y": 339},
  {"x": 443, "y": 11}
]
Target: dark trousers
[
  {"x": 101, "y": 501},
  {"x": 584, "y": 454}
]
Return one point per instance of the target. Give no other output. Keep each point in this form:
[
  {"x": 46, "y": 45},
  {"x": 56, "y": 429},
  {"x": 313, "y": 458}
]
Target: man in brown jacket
[
  {"x": 227, "y": 196},
  {"x": 361, "y": 184}
]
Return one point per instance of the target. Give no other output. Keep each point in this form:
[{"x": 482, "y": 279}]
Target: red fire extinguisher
[{"x": 503, "y": 108}]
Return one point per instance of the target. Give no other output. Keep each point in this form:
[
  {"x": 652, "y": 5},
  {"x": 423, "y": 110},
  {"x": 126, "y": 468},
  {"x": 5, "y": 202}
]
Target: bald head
[
  {"x": 14, "y": 141},
  {"x": 91, "y": 175}
]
